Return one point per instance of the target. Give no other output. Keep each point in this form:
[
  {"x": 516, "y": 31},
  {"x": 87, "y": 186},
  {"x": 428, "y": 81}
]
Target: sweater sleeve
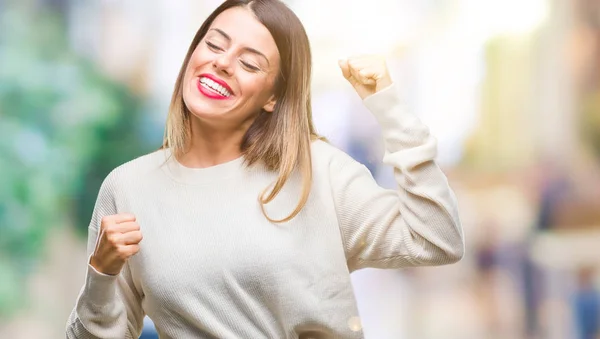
[
  {"x": 415, "y": 225},
  {"x": 108, "y": 306}
]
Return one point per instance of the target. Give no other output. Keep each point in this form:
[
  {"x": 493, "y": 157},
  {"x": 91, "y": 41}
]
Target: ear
[{"x": 270, "y": 105}]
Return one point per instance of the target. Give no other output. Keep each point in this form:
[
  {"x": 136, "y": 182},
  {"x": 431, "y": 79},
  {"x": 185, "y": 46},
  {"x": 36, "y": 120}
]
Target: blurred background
[{"x": 510, "y": 88}]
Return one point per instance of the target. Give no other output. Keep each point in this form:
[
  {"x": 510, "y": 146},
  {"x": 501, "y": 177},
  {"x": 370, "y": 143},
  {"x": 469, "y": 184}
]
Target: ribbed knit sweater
[{"x": 212, "y": 266}]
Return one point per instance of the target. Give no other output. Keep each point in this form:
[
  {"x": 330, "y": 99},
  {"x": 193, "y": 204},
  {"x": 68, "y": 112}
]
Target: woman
[{"x": 217, "y": 263}]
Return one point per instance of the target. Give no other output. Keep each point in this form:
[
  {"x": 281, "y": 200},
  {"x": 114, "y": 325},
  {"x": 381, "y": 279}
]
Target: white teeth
[{"x": 215, "y": 86}]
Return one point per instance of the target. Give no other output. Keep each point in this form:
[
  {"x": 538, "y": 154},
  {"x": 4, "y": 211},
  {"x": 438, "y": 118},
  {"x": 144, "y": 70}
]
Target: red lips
[{"x": 218, "y": 81}]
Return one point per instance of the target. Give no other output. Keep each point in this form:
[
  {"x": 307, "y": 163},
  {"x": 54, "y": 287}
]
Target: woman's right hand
[{"x": 119, "y": 239}]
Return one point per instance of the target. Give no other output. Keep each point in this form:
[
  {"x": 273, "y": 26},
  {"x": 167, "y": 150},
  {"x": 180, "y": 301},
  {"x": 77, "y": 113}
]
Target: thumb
[{"x": 345, "y": 67}]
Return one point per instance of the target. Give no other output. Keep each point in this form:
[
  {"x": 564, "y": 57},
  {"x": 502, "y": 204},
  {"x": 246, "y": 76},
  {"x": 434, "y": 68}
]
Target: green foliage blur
[{"x": 63, "y": 127}]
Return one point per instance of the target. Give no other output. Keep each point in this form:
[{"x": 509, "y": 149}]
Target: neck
[{"x": 210, "y": 146}]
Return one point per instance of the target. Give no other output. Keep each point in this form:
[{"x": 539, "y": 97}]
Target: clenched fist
[
  {"x": 119, "y": 239},
  {"x": 367, "y": 74}
]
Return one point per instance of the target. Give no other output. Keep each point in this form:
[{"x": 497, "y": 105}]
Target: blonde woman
[{"x": 251, "y": 223}]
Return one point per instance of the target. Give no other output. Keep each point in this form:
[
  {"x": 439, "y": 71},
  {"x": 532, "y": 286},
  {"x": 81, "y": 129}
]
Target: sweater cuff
[
  {"x": 100, "y": 288},
  {"x": 388, "y": 109},
  {"x": 383, "y": 100}
]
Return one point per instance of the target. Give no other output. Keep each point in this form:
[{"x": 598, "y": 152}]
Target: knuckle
[
  {"x": 112, "y": 238},
  {"x": 105, "y": 221},
  {"x": 108, "y": 228}
]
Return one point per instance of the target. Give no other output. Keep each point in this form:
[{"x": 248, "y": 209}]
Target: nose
[{"x": 222, "y": 63}]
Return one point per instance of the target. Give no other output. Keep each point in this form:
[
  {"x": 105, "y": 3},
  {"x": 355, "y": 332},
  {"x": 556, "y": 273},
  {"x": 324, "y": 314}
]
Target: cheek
[
  {"x": 197, "y": 59},
  {"x": 187, "y": 75},
  {"x": 258, "y": 86},
  {"x": 189, "y": 71}
]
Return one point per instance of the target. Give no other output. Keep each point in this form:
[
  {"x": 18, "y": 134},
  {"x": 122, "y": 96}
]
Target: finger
[
  {"x": 368, "y": 78},
  {"x": 363, "y": 75},
  {"x": 132, "y": 238},
  {"x": 117, "y": 219},
  {"x": 113, "y": 239},
  {"x": 125, "y": 227},
  {"x": 345, "y": 67},
  {"x": 371, "y": 67},
  {"x": 125, "y": 252}
]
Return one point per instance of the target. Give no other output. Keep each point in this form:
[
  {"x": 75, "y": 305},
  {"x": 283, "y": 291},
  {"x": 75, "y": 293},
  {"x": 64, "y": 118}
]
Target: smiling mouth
[{"x": 214, "y": 87}]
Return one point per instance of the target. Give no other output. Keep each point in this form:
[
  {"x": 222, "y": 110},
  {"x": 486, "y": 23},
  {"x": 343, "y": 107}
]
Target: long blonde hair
[{"x": 280, "y": 140}]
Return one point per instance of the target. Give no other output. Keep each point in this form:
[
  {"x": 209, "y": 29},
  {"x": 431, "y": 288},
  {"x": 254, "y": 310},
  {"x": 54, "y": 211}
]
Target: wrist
[
  {"x": 99, "y": 268},
  {"x": 383, "y": 84}
]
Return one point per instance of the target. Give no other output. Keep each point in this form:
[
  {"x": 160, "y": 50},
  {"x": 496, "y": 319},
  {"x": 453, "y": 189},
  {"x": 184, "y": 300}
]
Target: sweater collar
[{"x": 206, "y": 175}]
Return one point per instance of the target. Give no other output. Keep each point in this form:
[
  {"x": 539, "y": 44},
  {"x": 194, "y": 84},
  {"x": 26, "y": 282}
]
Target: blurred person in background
[
  {"x": 586, "y": 305},
  {"x": 214, "y": 261}
]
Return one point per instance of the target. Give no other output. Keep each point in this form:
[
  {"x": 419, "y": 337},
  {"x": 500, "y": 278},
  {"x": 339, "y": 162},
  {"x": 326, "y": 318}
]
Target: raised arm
[{"x": 415, "y": 225}]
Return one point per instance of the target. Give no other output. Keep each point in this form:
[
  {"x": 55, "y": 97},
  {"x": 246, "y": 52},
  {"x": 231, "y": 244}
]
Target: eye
[
  {"x": 213, "y": 46},
  {"x": 249, "y": 66}
]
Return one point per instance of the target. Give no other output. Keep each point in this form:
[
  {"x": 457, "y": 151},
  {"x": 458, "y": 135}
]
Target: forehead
[{"x": 244, "y": 29}]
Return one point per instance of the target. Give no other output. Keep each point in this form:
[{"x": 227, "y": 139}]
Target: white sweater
[{"x": 211, "y": 266}]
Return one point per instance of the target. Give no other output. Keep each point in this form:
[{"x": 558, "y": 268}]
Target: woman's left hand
[{"x": 367, "y": 74}]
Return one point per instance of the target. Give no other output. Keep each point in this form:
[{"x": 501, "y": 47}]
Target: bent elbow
[
  {"x": 449, "y": 252},
  {"x": 454, "y": 250},
  {"x": 453, "y": 247},
  {"x": 455, "y": 254}
]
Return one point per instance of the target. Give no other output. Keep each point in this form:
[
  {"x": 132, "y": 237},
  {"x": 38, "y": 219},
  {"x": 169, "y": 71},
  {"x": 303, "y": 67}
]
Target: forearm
[
  {"x": 427, "y": 204},
  {"x": 99, "y": 313}
]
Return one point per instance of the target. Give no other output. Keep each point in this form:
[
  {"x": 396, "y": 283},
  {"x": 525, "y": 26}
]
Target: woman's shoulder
[
  {"x": 139, "y": 166},
  {"x": 326, "y": 154}
]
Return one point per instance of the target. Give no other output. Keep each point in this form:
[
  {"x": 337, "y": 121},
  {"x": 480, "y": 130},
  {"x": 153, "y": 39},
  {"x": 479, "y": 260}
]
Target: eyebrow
[{"x": 249, "y": 49}]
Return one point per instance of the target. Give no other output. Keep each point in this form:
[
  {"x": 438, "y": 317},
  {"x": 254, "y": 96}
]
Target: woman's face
[{"x": 231, "y": 74}]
